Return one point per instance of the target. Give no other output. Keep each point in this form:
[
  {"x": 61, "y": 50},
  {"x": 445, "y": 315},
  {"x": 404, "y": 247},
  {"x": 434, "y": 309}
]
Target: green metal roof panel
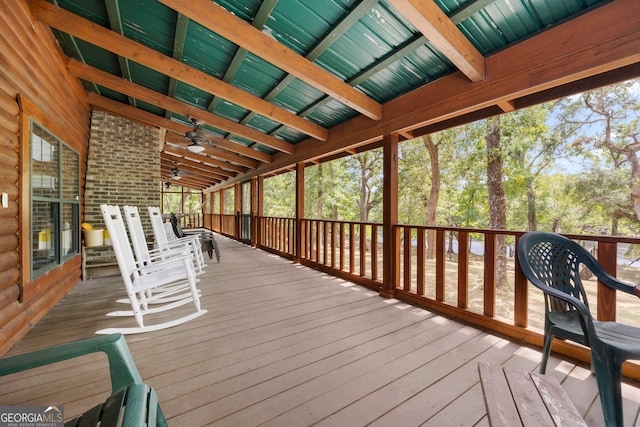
[
  {"x": 191, "y": 95},
  {"x": 256, "y": 76},
  {"x": 243, "y": 9},
  {"x": 299, "y": 24},
  {"x": 207, "y": 51},
  {"x": 151, "y": 24}
]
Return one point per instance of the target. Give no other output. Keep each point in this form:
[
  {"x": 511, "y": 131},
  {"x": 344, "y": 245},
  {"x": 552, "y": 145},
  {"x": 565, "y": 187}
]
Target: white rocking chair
[
  {"x": 158, "y": 280},
  {"x": 141, "y": 248},
  {"x": 165, "y": 239}
]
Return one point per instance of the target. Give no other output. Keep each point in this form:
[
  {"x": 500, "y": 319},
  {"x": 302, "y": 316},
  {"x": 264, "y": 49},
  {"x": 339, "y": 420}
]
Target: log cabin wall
[{"x": 32, "y": 70}]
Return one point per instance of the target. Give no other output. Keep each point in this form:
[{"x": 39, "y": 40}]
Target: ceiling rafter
[
  {"x": 115, "y": 21},
  {"x": 261, "y": 17},
  {"x": 182, "y": 164},
  {"x": 102, "y": 78},
  {"x": 431, "y": 21},
  {"x": 179, "y": 139},
  {"x": 220, "y": 167},
  {"x": 89, "y": 31},
  {"x": 179, "y": 40},
  {"x": 234, "y": 29},
  {"x": 197, "y": 167}
]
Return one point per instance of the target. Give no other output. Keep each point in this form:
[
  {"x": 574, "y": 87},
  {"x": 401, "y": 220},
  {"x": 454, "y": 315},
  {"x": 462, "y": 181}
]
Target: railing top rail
[{"x": 590, "y": 237}]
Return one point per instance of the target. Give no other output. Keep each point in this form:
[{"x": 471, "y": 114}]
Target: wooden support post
[
  {"x": 607, "y": 256},
  {"x": 298, "y": 254},
  {"x": 223, "y": 228},
  {"x": 257, "y": 207},
  {"x": 237, "y": 202},
  {"x": 390, "y": 244}
]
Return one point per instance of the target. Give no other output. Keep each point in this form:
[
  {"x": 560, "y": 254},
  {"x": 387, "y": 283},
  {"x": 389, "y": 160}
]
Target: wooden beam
[
  {"x": 507, "y": 105},
  {"x": 234, "y": 29},
  {"x": 118, "y": 84},
  {"x": 431, "y": 21},
  {"x": 93, "y": 33}
]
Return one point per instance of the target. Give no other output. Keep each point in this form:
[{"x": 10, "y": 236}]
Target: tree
[
  {"x": 368, "y": 166},
  {"x": 606, "y": 121},
  {"x": 497, "y": 196}
]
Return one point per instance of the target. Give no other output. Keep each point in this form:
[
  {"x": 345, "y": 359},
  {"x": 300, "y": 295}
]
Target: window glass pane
[
  {"x": 44, "y": 163},
  {"x": 43, "y": 234},
  {"x": 70, "y": 229},
  {"x": 246, "y": 198},
  {"x": 70, "y": 174}
]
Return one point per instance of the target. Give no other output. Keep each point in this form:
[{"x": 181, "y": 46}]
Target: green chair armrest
[{"x": 122, "y": 368}]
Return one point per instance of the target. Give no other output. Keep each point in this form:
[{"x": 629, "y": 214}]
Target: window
[{"x": 55, "y": 201}]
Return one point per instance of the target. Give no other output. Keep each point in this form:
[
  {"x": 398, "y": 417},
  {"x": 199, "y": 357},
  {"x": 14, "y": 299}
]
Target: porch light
[{"x": 195, "y": 148}]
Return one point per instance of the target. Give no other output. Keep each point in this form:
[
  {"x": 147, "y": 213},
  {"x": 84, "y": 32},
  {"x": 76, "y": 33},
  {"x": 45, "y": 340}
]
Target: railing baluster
[
  {"x": 407, "y": 258},
  {"x": 363, "y": 249},
  {"x": 440, "y": 270},
  {"x": 420, "y": 260},
  {"x": 352, "y": 252},
  {"x": 374, "y": 252},
  {"x": 520, "y": 295},
  {"x": 490, "y": 274},
  {"x": 333, "y": 244},
  {"x": 341, "y": 248},
  {"x": 463, "y": 269}
]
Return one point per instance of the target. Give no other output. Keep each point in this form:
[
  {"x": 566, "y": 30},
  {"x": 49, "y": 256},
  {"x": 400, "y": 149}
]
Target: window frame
[
  {"x": 58, "y": 202},
  {"x": 60, "y": 273}
]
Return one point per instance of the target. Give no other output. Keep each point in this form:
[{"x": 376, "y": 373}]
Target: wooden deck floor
[{"x": 284, "y": 345}]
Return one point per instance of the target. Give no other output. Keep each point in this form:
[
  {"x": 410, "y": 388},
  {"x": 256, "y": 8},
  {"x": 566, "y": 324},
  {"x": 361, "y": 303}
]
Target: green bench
[{"x": 131, "y": 403}]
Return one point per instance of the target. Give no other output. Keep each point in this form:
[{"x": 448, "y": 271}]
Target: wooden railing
[
  {"x": 278, "y": 235},
  {"x": 431, "y": 270}
]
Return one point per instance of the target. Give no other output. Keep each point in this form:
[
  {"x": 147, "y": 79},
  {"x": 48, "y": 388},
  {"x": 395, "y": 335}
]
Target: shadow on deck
[{"x": 285, "y": 345}]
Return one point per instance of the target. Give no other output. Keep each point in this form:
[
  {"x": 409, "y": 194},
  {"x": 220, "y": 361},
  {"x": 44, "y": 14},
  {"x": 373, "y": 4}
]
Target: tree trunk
[
  {"x": 531, "y": 206},
  {"x": 497, "y": 197},
  {"x": 434, "y": 194},
  {"x": 319, "y": 193}
]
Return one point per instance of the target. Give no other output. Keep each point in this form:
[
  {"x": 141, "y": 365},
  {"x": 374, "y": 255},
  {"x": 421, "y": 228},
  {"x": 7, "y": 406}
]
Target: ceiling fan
[
  {"x": 196, "y": 136},
  {"x": 177, "y": 173}
]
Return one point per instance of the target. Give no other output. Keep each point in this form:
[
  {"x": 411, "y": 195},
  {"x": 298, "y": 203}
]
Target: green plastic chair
[
  {"x": 552, "y": 263},
  {"x": 131, "y": 403}
]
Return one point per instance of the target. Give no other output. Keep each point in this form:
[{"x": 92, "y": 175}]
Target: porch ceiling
[{"x": 265, "y": 76}]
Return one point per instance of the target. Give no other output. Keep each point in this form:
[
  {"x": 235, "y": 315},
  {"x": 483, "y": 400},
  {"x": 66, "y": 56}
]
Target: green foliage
[
  {"x": 280, "y": 195},
  {"x": 181, "y": 200}
]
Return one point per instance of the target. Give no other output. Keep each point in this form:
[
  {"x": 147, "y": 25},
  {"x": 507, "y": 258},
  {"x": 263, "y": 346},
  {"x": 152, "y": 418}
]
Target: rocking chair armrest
[
  {"x": 169, "y": 255},
  {"x": 168, "y": 250},
  {"x": 122, "y": 368},
  {"x": 159, "y": 262}
]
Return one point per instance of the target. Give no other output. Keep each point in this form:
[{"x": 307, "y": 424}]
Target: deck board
[{"x": 285, "y": 345}]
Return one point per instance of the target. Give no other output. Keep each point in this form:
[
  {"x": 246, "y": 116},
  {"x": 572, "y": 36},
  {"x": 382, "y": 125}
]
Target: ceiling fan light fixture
[{"x": 195, "y": 148}]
